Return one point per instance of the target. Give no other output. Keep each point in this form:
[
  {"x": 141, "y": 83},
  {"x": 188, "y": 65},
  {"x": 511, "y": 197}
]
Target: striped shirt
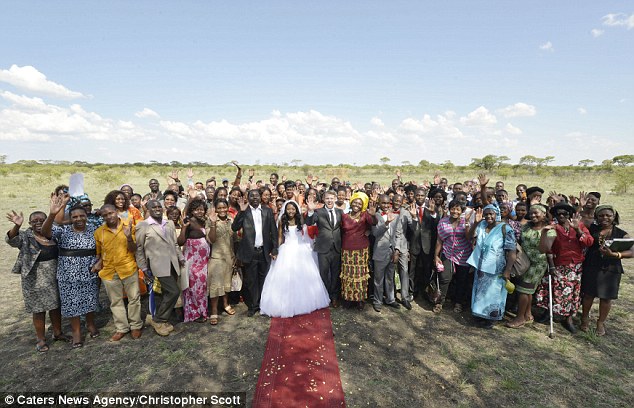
[{"x": 455, "y": 245}]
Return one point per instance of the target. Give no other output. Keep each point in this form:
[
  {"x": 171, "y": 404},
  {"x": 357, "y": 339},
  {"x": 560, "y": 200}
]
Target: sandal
[
  {"x": 77, "y": 345},
  {"x": 513, "y": 325},
  {"x": 230, "y": 311},
  {"x": 41, "y": 346},
  {"x": 437, "y": 308},
  {"x": 61, "y": 337},
  {"x": 213, "y": 320},
  {"x": 95, "y": 334},
  {"x": 600, "y": 329},
  {"x": 201, "y": 319},
  {"x": 585, "y": 324}
]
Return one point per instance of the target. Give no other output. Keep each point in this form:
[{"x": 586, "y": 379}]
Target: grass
[{"x": 397, "y": 358}]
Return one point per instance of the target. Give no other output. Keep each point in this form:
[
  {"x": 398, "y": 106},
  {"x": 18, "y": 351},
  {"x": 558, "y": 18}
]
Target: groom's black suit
[
  {"x": 328, "y": 248},
  {"x": 256, "y": 260}
]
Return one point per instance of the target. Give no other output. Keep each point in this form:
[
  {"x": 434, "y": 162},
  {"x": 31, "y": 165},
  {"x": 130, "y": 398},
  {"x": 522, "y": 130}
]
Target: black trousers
[
  {"x": 329, "y": 269},
  {"x": 419, "y": 273},
  {"x": 254, "y": 276}
]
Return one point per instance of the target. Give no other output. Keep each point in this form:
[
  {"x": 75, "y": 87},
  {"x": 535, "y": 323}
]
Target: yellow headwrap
[{"x": 361, "y": 196}]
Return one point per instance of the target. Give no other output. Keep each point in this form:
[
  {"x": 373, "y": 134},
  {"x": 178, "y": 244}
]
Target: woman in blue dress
[
  {"x": 77, "y": 282},
  {"x": 492, "y": 258}
]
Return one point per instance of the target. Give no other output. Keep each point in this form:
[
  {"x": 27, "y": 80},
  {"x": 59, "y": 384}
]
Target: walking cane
[{"x": 551, "y": 333}]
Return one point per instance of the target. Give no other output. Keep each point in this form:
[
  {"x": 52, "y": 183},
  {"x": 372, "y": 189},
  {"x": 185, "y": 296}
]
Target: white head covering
[{"x": 283, "y": 210}]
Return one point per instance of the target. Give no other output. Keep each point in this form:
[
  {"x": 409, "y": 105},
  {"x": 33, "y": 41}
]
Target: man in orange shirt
[{"x": 116, "y": 264}]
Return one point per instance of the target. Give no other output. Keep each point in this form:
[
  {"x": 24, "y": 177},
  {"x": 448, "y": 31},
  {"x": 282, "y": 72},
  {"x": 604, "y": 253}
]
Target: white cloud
[
  {"x": 377, "y": 122},
  {"x": 596, "y": 32},
  {"x": 30, "y": 79},
  {"x": 147, "y": 113},
  {"x": 582, "y": 110},
  {"x": 512, "y": 130},
  {"x": 547, "y": 46},
  {"x": 481, "y": 117},
  {"x": 519, "y": 109},
  {"x": 619, "y": 20}
]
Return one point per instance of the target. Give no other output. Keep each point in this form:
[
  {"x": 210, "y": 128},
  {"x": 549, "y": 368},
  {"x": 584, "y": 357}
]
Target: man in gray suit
[
  {"x": 384, "y": 255},
  {"x": 405, "y": 222},
  {"x": 257, "y": 246},
  {"x": 328, "y": 242},
  {"x": 158, "y": 255}
]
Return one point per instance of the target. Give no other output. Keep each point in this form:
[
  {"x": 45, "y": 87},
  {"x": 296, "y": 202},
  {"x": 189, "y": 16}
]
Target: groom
[
  {"x": 257, "y": 247},
  {"x": 328, "y": 242}
]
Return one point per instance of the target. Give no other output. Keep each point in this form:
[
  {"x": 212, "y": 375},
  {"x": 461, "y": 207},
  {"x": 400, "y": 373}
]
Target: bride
[{"x": 293, "y": 285}]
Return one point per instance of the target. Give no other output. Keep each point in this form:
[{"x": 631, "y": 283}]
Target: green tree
[
  {"x": 529, "y": 160},
  {"x": 3, "y": 158},
  {"x": 586, "y": 162},
  {"x": 384, "y": 160},
  {"x": 489, "y": 161},
  {"x": 623, "y": 160}
]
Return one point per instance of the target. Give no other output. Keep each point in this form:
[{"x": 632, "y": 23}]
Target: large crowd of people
[{"x": 291, "y": 247}]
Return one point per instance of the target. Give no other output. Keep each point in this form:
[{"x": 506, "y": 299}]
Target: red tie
[{"x": 420, "y": 214}]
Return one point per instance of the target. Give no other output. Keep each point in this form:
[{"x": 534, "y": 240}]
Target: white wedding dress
[{"x": 293, "y": 285}]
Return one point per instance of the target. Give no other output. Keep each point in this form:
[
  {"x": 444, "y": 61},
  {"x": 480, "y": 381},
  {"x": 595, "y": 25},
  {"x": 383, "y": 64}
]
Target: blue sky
[{"x": 325, "y": 82}]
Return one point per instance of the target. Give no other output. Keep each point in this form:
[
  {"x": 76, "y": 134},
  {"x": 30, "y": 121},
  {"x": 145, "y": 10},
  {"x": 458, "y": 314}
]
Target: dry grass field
[{"x": 396, "y": 358}]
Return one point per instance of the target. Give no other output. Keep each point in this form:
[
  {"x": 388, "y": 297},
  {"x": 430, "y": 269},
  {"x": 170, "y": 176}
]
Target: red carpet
[{"x": 300, "y": 368}]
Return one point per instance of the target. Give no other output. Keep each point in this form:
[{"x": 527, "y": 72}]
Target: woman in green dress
[{"x": 530, "y": 236}]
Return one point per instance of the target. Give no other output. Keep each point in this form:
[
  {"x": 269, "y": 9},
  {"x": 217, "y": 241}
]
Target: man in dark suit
[
  {"x": 422, "y": 243},
  {"x": 328, "y": 242},
  {"x": 257, "y": 247}
]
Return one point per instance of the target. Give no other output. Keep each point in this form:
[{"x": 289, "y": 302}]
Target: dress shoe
[
  {"x": 334, "y": 303},
  {"x": 251, "y": 312},
  {"x": 377, "y": 308},
  {"x": 136, "y": 334},
  {"x": 394, "y": 305},
  {"x": 117, "y": 336},
  {"x": 407, "y": 304},
  {"x": 569, "y": 326},
  {"x": 360, "y": 305},
  {"x": 169, "y": 327},
  {"x": 544, "y": 318}
]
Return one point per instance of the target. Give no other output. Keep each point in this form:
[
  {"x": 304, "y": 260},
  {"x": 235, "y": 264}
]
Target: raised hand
[
  {"x": 536, "y": 199},
  {"x": 436, "y": 178},
  {"x": 483, "y": 179},
  {"x": 372, "y": 208},
  {"x": 296, "y": 195},
  {"x": 190, "y": 173},
  {"x": 575, "y": 221},
  {"x": 191, "y": 191},
  {"x": 478, "y": 215},
  {"x": 573, "y": 200},
  {"x": 398, "y": 174},
  {"x": 244, "y": 203},
  {"x": 174, "y": 175},
  {"x": 309, "y": 179},
  {"x": 235, "y": 163},
  {"x": 283, "y": 178},
  {"x": 58, "y": 203},
  {"x": 412, "y": 210},
  {"x": 431, "y": 206},
  {"x": 15, "y": 218},
  {"x": 583, "y": 198},
  {"x": 311, "y": 205},
  {"x": 251, "y": 173},
  {"x": 213, "y": 216}
]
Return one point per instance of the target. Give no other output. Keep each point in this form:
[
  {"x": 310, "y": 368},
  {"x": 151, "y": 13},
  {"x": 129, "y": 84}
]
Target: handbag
[
  {"x": 433, "y": 291},
  {"x": 522, "y": 263},
  {"x": 236, "y": 279}
]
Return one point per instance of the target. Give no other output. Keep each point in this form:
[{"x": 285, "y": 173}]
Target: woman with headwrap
[
  {"x": 492, "y": 258},
  {"x": 355, "y": 255},
  {"x": 567, "y": 246},
  {"x": 527, "y": 283},
  {"x": 602, "y": 267},
  {"x": 293, "y": 285}
]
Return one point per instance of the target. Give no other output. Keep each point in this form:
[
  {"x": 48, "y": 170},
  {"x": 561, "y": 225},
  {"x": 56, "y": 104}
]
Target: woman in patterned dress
[
  {"x": 222, "y": 258},
  {"x": 355, "y": 255},
  {"x": 75, "y": 276},
  {"x": 37, "y": 264},
  {"x": 567, "y": 246},
  {"x": 193, "y": 239}
]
